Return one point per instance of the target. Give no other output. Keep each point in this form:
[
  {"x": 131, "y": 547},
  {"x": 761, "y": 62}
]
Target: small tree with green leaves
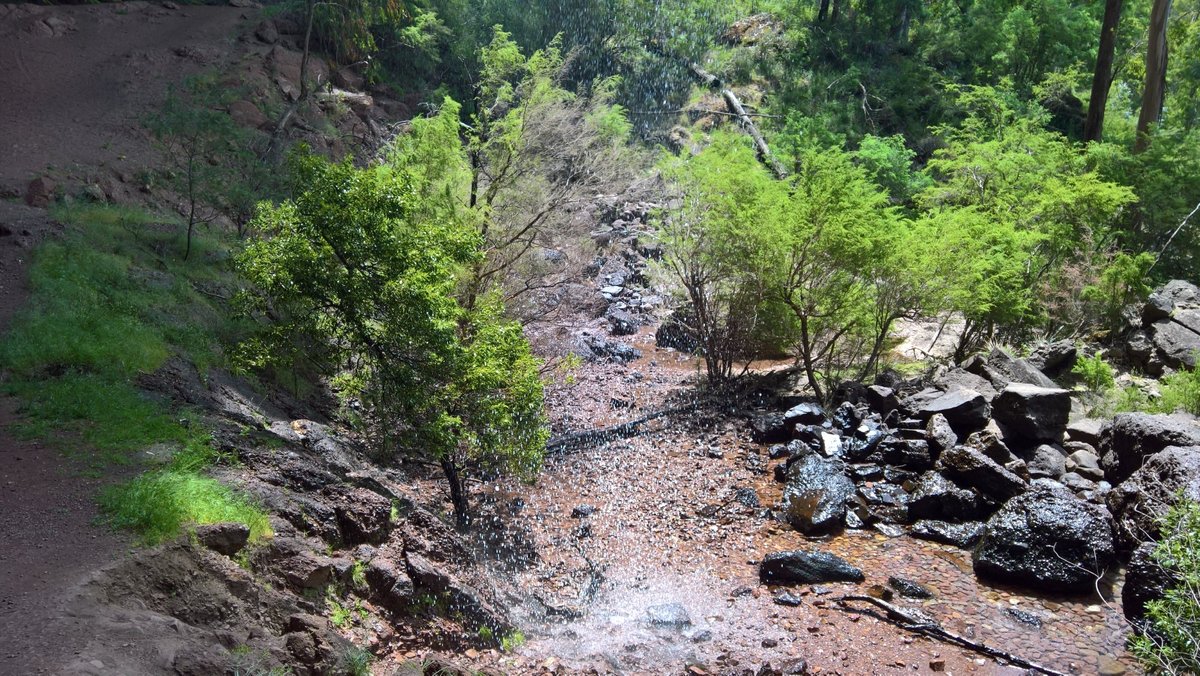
[{"x": 360, "y": 276}]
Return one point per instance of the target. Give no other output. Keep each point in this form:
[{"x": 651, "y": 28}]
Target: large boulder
[
  {"x": 769, "y": 428},
  {"x": 1031, "y": 412},
  {"x": 806, "y": 567},
  {"x": 226, "y": 538},
  {"x": 1054, "y": 358},
  {"x": 1177, "y": 339},
  {"x": 1130, "y": 438},
  {"x": 363, "y": 517},
  {"x": 1140, "y": 501},
  {"x": 1002, "y": 368},
  {"x": 965, "y": 410},
  {"x": 1145, "y": 581},
  {"x": 815, "y": 496},
  {"x": 1047, "y": 461},
  {"x": 970, "y": 467},
  {"x": 936, "y": 497},
  {"x": 1048, "y": 539},
  {"x": 804, "y": 414}
]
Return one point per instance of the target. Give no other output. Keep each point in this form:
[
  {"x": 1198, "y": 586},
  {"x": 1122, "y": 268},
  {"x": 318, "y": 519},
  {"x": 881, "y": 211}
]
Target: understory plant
[{"x": 1170, "y": 643}]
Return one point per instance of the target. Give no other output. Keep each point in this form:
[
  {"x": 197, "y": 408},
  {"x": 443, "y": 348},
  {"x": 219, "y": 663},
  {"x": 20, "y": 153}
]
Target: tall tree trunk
[
  {"x": 310, "y": 7},
  {"x": 1156, "y": 73},
  {"x": 823, "y": 11},
  {"x": 1093, "y": 129},
  {"x": 458, "y": 493}
]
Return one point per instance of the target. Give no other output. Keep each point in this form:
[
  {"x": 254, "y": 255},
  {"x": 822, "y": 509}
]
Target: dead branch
[
  {"x": 735, "y": 106},
  {"x": 918, "y": 623}
]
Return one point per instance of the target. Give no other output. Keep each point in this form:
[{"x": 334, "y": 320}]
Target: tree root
[{"x": 919, "y": 623}]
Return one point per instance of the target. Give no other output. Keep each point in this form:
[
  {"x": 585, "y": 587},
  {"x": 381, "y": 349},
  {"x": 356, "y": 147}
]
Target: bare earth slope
[{"x": 75, "y": 82}]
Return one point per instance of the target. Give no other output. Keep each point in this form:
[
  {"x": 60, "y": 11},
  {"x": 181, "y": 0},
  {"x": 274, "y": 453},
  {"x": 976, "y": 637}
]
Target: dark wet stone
[
  {"x": 1054, "y": 358},
  {"x": 581, "y": 511},
  {"x": 1004, "y": 369},
  {"x": 804, "y": 414},
  {"x": 865, "y": 448},
  {"x": 1047, "y": 461},
  {"x": 786, "y": 598},
  {"x": 936, "y": 497},
  {"x": 965, "y": 410},
  {"x": 777, "y": 451},
  {"x": 668, "y": 615},
  {"x": 882, "y": 399},
  {"x": 908, "y": 588},
  {"x": 1024, "y": 617},
  {"x": 1032, "y": 413},
  {"x": 769, "y": 428},
  {"x": 1145, "y": 581},
  {"x": 866, "y": 472},
  {"x": 1138, "y": 503},
  {"x": 1047, "y": 539},
  {"x": 1130, "y": 438},
  {"x": 939, "y": 434},
  {"x": 962, "y": 535},
  {"x": 968, "y": 466},
  {"x": 889, "y": 530},
  {"x": 846, "y": 418},
  {"x": 806, "y": 567},
  {"x": 815, "y": 496},
  {"x": 747, "y": 497},
  {"x": 912, "y": 454}
]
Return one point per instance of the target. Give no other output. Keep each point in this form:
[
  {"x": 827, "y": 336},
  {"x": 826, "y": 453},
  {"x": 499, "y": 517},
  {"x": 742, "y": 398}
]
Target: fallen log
[
  {"x": 738, "y": 110},
  {"x": 577, "y": 440},
  {"x": 907, "y": 618}
]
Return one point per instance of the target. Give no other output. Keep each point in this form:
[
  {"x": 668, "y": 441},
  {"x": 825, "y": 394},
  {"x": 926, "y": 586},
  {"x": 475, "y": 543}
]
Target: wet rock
[
  {"x": 970, "y": 467},
  {"x": 747, "y": 498},
  {"x": 622, "y": 322},
  {"x": 1047, "y": 461},
  {"x": 1031, "y": 412},
  {"x": 1003, "y": 369},
  {"x": 1047, "y": 539},
  {"x": 786, "y": 598},
  {"x": 1130, "y": 438},
  {"x": 364, "y": 517},
  {"x": 846, "y": 418},
  {"x": 913, "y": 454},
  {"x": 1138, "y": 503},
  {"x": 804, "y": 414},
  {"x": 965, "y": 410},
  {"x": 1086, "y": 430},
  {"x": 672, "y": 615},
  {"x": 596, "y": 348},
  {"x": 961, "y": 379},
  {"x": 389, "y": 583},
  {"x": 1145, "y": 581},
  {"x": 815, "y": 496},
  {"x": 1078, "y": 484},
  {"x": 963, "y": 535},
  {"x": 940, "y": 434},
  {"x": 1085, "y": 462},
  {"x": 769, "y": 428},
  {"x": 806, "y": 567},
  {"x": 224, "y": 538},
  {"x": 990, "y": 442},
  {"x": 936, "y": 497},
  {"x": 882, "y": 399},
  {"x": 889, "y": 530},
  {"x": 908, "y": 588},
  {"x": 580, "y": 511},
  {"x": 784, "y": 667},
  {"x": 1024, "y": 617},
  {"x": 1054, "y": 358}
]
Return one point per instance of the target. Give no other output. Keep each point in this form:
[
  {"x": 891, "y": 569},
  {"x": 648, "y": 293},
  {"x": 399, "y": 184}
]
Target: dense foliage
[{"x": 1172, "y": 643}]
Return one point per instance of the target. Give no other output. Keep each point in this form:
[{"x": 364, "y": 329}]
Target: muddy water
[{"x": 657, "y": 537}]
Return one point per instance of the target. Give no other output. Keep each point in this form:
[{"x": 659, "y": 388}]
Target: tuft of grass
[
  {"x": 512, "y": 641},
  {"x": 357, "y": 661}
]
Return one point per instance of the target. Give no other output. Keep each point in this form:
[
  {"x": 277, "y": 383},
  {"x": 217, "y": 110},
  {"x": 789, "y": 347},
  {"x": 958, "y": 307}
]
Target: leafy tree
[
  {"x": 359, "y": 275},
  {"x": 1171, "y": 642}
]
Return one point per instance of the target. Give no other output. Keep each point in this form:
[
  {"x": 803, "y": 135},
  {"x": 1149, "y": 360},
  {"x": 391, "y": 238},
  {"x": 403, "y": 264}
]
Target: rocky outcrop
[
  {"x": 1140, "y": 501},
  {"x": 962, "y": 535},
  {"x": 1166, "y": 333},
  {"x": 1048, "y": 539},
  {"x": 965, "y": 410},
  {"x": 936, "y": 497},
  {"x": 1131, "y": 438},
  {"x": 806, "y": 567}
]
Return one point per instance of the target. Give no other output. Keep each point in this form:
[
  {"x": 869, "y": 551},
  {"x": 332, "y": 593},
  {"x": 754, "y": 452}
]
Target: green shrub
[
  {"x": 1096, "y": 373},
  {"x": 1172, "y": 643},
  {"x": 357, "y": 661},
  {"x": 512, "y": 641},
  {"x": 1181, "y": 392}
]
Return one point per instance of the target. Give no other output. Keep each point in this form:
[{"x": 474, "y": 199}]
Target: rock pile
[{"x": 1165, "y": 333}]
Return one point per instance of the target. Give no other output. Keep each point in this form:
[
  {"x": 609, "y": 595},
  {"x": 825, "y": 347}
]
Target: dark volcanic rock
[
  {"x": 1177, "y": 339},
  {"x": 769, "y": 428},
  {"x": 363, "y": 517},
  {"x": 225, "y": 538},
  {"x": 882, "y": 399},
  {"x": 1140, "y": 501},
  {"x": 1003, "y": 369},
  {"x": 1047, "y": 461},
  {"x": 911, "y": 453},
  {"x": 936, "y": 497},
  {"x": 1130, "y": 438},
  {"x": 908, "y": 588},
  {"x": 804, "y": 414},
  {"x": 1145, "y": 581},
  {"x": 965, "y": 410},
  {"x": 1086, "y": 430},
  {"x": 963, "y": 535},
  {"x": 1031, "y": 412},
  {"x": 940, "y": 434},
  {"x": 1048, "y": 539},
  {"x": 390, "y": 583},
  {"x": 1054, "y": 358},
  {"x": 806, "y": 567},
  {"x": 621, "y": 322},
  {"x": 971, "y": 467},
  {"x": 815, "y": 496}
]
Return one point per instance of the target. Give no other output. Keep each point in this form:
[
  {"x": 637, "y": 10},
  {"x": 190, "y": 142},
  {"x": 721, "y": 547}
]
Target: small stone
[
  {"x": 786, "y": 598},
  {"x": 937, "y": 665},
  {"x": 769, "y": 643}
]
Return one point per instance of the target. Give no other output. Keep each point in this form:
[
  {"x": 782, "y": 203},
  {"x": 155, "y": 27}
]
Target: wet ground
[{"x": 667, "y": 530}]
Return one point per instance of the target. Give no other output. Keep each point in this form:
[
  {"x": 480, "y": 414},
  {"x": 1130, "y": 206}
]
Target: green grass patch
[{"x": 159, "y": 504}]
